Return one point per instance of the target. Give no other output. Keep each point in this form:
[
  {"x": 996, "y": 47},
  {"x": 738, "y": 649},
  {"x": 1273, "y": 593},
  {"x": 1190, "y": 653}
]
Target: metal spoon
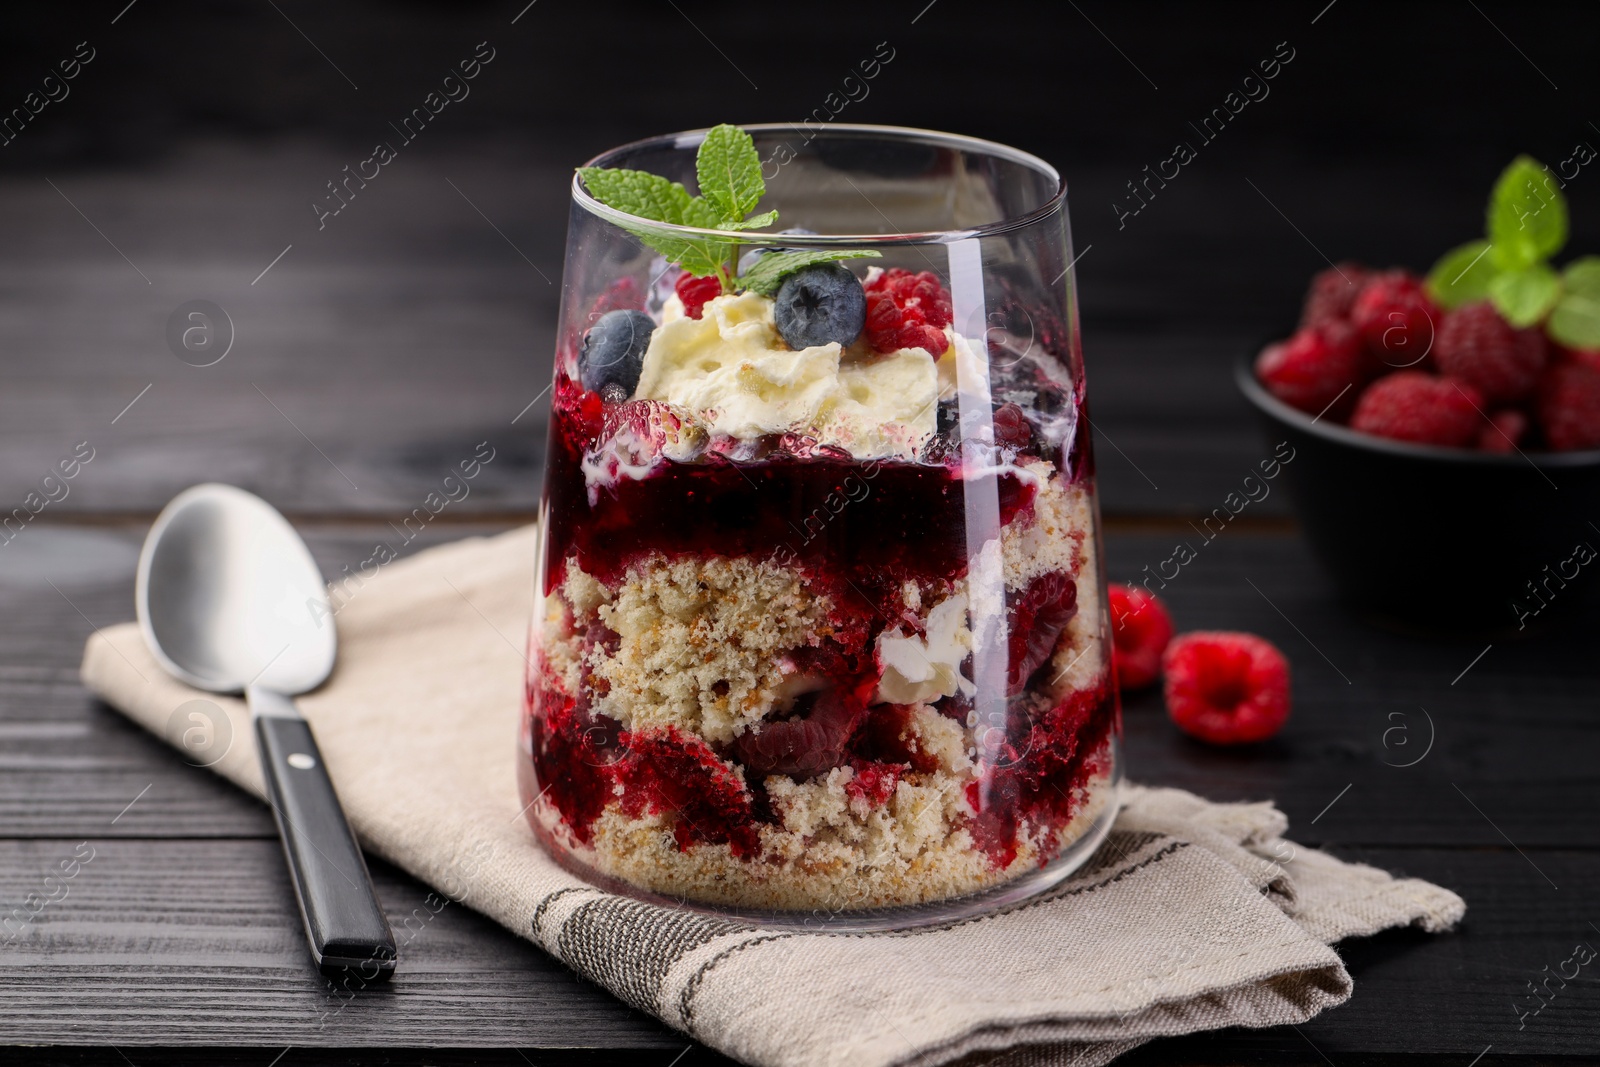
[{"x": 230, "y": 600}]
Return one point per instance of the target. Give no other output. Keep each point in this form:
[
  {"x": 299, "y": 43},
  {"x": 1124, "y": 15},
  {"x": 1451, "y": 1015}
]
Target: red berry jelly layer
[{"x": 856, "y": 531}]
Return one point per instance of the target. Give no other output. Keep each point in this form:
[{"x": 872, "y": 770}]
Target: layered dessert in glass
[{"x": 821, "y": 620}]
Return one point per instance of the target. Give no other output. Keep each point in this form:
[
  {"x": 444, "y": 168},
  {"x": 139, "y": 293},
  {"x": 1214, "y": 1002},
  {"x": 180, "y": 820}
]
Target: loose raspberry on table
[
  {"x": 1478, "y": 346},
  {"x": 1569, "y": 407},
  {"x": 1333, "y": 293},
  {"x": 1313, "y": 368},
  {"x": 1396, "y": 319},
  {"x": 695, "y": 293},
  {"x": 1226, "y": 688},
  {"x": 906, "y": 310},
  {"x": 1140, "y": 631},
  {"x": 1503, "y": 432},
  {"x": 1417, "y": 407}
]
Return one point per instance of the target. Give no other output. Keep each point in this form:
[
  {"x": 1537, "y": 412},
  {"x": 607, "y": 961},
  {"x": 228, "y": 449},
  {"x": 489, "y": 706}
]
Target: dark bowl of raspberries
[
  {"x": 1446, "y": 431},
  {"x": 1446, "y": 463}
]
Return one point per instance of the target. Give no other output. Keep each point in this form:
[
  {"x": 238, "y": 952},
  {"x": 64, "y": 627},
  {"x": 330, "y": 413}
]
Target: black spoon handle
[{"x": 345, "y": 924}]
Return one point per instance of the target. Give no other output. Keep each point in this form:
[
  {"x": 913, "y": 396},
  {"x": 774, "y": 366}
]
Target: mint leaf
[
  {"x": 729, "y": 171},
  {"x": 1523, "y": 297},
  {"x": 1575, "y": 322},
  {"x": 700, "y": 256},
  {"x": 650, "y": 196},
  {"x": 637, "y": 192},
  {"x": 704, "y": 214},
  {"x": 754, "y": 222},
  {"x": 1582, "y": 276},
  {"x": 1527, "y": 216},
  {"x": 769, "y": 270},
  {"x": 1462, "y": 275}
]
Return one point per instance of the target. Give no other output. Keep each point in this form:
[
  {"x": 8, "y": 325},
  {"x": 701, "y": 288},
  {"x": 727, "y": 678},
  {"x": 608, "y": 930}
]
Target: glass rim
[{"x": 904, "y": 134}]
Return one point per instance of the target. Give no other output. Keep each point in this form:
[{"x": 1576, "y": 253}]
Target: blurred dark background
[{"x": 189, "y": 150}]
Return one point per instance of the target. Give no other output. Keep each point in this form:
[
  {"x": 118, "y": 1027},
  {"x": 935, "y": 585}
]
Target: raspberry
[
  {"x": 1140, "y": 630},
  {"x": 1226, "y": 688},
  {"x": 810, "y": 743},
  {"x": 1011, "y": 429},
  {"x": 873, "y": 783},
  {"x": 1412, "y": 406},
  {"x": 906, "y": 310},
  {"x": 623, "y": 294},
  {"x": 1478, "y": 346},
  {"x": 1569, "y": 407},
  {"x": 1504, "y": 432},
  {"x": 1589, "y": 357},
  {"x": 1395, "y": 318},
  {"x": 695, "y": 292},
  {"x": 1332, "y": 293},
  {"x": 1310, "y": 370},
  {"x": 1037, "y": 618}
]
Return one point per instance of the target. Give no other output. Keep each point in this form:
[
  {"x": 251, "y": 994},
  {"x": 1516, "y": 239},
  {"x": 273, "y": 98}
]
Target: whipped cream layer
[{"x": 731, "y": 369}]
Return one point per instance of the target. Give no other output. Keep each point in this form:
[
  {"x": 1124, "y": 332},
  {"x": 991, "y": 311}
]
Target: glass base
[{"x": 870, "y": 920}]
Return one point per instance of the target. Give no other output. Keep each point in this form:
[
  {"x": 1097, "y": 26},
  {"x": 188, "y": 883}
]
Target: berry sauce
[
  {"x": 868, "y": 521},
  {"x": 857, "y": 531}
]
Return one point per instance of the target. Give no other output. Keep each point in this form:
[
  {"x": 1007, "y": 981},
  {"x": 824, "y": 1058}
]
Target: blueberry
[
  {"x": 748, "y": 260},
  {"x": 820, "y": 304},
  {"x": 613, "y": 351}
]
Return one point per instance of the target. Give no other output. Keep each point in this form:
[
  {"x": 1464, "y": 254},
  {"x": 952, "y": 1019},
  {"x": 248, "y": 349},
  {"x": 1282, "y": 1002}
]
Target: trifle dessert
[{"x": 820, "y": 618}]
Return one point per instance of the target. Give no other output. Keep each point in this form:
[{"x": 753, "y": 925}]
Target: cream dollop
[
  {"x": 918, "y": 670},
  {"x": 731, "y": 368}
]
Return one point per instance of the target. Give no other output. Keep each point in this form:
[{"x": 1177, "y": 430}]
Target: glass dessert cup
[{"x": 820, "y": 635}]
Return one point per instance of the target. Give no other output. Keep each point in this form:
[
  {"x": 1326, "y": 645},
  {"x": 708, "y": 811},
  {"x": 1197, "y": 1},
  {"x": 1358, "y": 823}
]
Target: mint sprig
[
  {"x": 1527, "y": 219},
  {"x": 728, "y": 170},
  {"x": 651, "y": 196},
  {"x": 769, "y": 270},
  {"x": 1576, "y": 318},
  {"x": 1525, "y": 225}
]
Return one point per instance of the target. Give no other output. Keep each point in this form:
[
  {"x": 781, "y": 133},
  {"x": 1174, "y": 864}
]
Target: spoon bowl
[{"x": 229, "y": 596}]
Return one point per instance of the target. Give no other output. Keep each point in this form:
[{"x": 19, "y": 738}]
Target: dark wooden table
[{"x": 375, "y": 353}]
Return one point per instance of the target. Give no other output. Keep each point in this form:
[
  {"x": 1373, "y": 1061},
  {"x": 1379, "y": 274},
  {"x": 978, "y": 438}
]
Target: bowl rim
[
  {"x": 1244, "y": 376},
  {"x": 906, "y": 134}
]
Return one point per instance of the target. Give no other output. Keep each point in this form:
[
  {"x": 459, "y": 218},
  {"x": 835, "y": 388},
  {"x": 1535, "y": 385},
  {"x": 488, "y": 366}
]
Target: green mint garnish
[
  {"x": 1527, "y": 221},
  {"x": 754, "y": 222},
  {"x": 1523, "y": 297},
  {"x": 1583, "y": 276},
  {"x": 1526, "y": 225},
  {"x": 728, "y": 169},
  {"x": 1462, "y": 275},
  {"x": 769, "y": 270},
  {"x": 1576, "y": 318},
  {"x": 651, "y": 196}
]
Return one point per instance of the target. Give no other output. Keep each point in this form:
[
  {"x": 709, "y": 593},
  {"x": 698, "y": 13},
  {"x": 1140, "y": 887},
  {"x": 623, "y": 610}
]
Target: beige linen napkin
[{"x": 1193, "y": 916}]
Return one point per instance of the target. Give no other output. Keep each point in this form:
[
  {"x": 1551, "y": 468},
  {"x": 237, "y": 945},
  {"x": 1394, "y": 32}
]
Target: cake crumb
[{"x": 702, "y": 641}]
